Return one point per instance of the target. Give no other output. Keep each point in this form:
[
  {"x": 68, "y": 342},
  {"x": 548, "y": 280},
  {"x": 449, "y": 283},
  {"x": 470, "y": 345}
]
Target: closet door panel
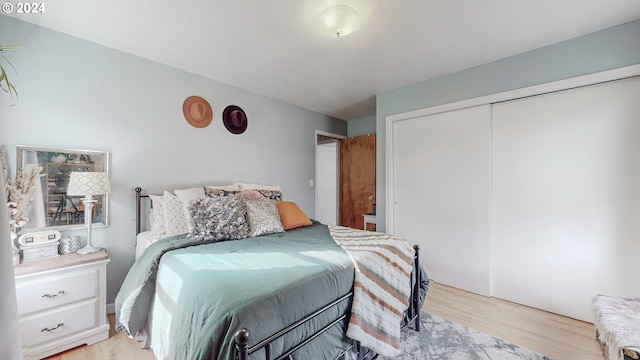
[
  {"x": 566, "y": 197},
  {"x": 441, "y": 193}
]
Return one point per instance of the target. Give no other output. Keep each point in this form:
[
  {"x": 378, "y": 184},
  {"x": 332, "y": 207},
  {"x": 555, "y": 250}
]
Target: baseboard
[{"x": 111, "y": 308}]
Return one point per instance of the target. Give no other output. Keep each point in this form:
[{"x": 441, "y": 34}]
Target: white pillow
[
  {"x": 175, "y": 221},
  {"x": 245, "y": 186},
  {"x": 156, "y": 215},
  {"x": 230, "y": 187},
  {"x": 187, "y": 196}
]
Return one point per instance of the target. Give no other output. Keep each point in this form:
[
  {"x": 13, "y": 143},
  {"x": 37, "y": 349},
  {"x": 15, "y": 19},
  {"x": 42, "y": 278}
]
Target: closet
[
  {"x": 531, "y": 198},
  {"x": 441, "y": 198}
]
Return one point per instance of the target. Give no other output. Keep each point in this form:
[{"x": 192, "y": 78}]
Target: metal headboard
[{"x": 139, "y": 197}]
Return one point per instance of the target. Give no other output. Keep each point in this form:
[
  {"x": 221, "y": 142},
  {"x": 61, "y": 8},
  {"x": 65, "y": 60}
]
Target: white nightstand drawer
[
  {"x": 51, "y": 325},
  {"x": 50, "y": 291},
  {"x": 61, "y": 301}
]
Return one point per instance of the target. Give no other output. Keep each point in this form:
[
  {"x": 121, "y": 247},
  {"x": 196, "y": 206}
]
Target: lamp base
[{"x": 88, "y": 250}]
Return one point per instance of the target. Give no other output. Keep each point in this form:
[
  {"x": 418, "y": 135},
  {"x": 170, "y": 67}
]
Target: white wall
[{"x": 76, "y": 94}]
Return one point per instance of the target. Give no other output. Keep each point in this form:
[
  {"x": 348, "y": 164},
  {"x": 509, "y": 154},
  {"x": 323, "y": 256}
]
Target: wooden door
[{"x": 357, "y": 179}]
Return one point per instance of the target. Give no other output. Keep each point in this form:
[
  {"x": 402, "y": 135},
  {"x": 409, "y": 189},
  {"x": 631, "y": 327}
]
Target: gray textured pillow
[
  {"x": 263, "y": 217},
  {"x": 218, "y": 217}
]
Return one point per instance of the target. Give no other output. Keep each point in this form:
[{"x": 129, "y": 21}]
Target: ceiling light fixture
[{"x": 341, "y": 20}]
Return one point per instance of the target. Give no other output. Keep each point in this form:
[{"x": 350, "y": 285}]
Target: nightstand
[{"x": 62, "y": 303}]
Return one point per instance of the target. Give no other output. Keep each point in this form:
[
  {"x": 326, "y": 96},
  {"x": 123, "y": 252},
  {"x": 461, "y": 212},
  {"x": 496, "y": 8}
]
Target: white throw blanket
[
  {"x": 382, "y": 286},
  {"x": 618, "y": 324}
]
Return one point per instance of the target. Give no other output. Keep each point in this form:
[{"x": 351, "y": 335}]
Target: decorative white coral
[
  {"x": 14, "y": 213},
  {"x": 20, "y": 192}
]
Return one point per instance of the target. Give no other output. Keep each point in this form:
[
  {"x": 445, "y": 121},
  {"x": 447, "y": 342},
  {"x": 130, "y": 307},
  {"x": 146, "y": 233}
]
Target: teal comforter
[{"x": 199, "y": 296}]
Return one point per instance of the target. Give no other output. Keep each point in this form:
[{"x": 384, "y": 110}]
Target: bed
[{"x": 268, "y": 295}]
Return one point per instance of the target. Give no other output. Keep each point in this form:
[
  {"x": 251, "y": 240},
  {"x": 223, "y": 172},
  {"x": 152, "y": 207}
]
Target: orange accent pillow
[{"x": 291, "y": 215}]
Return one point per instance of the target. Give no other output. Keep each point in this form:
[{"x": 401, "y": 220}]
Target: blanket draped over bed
[
  {"x": 195, "y": 299},
  {"x": 382, "y": 286}
]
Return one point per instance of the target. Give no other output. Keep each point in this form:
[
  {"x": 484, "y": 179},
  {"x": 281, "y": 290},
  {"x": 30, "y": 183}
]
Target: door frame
[{"x": 337, "y": 137}]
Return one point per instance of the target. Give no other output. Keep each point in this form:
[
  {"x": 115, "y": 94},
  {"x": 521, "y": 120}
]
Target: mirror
[{"x": 52, "y": 208}]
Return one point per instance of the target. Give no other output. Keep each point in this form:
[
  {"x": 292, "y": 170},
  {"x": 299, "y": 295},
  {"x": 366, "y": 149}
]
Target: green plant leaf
[{"x": 5, "y": 83}]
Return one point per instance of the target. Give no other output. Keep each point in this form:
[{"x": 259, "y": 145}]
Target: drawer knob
[
  {"x": 55, "y": 328},
  {"x": 61, "y": 292}
]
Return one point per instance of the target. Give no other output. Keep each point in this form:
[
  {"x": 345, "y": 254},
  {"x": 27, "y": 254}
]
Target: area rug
[{"x": 441, "y": 339}]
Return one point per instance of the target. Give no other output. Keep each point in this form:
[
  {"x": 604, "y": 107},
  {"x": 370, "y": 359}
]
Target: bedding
[
  {"x": 218, "y": 217},
  {"x": 156, "y": 214},
  {"x": 263, "y": 217},
  {"x": 144, "y": 240},
  {"x": 381, "y": 288},
  {"x": 291, "y": 216},
  {"x": 175, "y": 220},
  {"x": 190, "y": 293},
  {"x": 198, "y": 294},
  {"x": 246, "y": 186},
  {"x": 185, "y": 197},
  {"x": 190, "y": 195},
  {"x": 202, "y": 293}
]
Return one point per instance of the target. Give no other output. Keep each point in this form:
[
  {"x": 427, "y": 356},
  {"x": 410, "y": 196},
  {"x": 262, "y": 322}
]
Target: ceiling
[{"x": 277, "y": 48}]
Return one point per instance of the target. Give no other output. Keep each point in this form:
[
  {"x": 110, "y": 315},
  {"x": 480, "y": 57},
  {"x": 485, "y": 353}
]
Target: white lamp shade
[{"x": 88, "y": 183}]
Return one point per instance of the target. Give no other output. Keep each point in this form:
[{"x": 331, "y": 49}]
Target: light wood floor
[
  {"x": 555, "y": 336},
  {"x": 549, "y": 334}
]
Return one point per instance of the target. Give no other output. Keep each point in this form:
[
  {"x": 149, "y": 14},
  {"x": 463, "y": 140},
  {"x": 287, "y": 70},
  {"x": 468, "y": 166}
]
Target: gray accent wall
[
  {"x": 81, "y": 95},
  {"x": 608, "y": 49},
  {"x": 362, "y": 126}
]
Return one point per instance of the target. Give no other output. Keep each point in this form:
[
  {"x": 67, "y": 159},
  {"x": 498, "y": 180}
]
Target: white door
[
  {"x": 327, "y": 177},
  {"x": 566, "y": 197},
  {"x": 441, "y": 193}
]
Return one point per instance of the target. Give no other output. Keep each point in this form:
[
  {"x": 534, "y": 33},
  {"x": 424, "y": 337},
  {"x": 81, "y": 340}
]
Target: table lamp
[{"x": 88, "y": 184}]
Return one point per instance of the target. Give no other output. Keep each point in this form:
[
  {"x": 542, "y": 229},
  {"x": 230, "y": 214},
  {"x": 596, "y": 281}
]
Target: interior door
[
  {"x": 327, "y": 162},
  {"x": 357, "y": 179}
]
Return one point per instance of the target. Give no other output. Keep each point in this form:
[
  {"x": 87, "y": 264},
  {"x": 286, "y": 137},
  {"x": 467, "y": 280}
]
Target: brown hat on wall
[{"x": 197, "y": 111}]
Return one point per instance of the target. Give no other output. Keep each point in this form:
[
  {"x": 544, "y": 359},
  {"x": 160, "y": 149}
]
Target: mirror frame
[{"x": 21, "y": 160}]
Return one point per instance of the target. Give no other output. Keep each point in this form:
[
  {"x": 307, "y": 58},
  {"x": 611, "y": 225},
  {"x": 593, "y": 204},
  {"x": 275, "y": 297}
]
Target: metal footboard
[
  {"x": 413, "y": 314},
  {"x": 242, "y": 336}
]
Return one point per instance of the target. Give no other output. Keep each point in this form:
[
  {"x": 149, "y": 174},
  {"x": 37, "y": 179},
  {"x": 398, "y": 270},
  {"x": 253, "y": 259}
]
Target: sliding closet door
[
  {"x": 566, "y": 197},
  {"x": 441, "y": 193}
]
